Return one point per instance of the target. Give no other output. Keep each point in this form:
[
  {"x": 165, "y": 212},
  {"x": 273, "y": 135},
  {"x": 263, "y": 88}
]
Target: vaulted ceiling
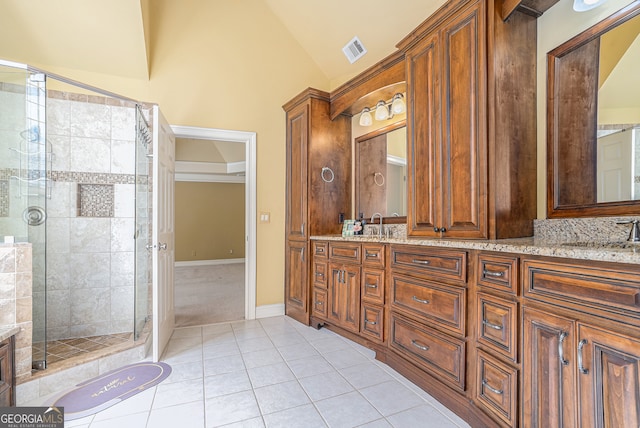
[{"x": 112, "y": 36}]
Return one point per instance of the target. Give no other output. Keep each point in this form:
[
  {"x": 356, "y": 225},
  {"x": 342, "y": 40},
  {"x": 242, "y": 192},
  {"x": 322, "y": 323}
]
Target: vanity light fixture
[
  {"x": 383, "y": 110},
  {"x": 365, "y": 117},
  {"x": 584, "y": 5}
]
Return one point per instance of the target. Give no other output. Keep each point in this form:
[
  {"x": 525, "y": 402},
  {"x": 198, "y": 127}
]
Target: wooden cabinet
[
  {"x": 349, "y": 287},
  {"x": 427, "y": 302},
  {"x": 318, "y": 186},
  {"x": 497, "y": 360},
  {"x": 580, "y": 369},
  {"x": 7, "y": 373},
  {"x": 344, "y": 296},
  {"x": 296, "y": 288},
  {"x": 472, "y": 141},
  {"x": 372, "y": 322}
]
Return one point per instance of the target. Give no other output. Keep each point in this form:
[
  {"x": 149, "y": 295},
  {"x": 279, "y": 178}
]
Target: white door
[
  {"x": 163, "y": 233},
  {"x": 615, "y": 167}
]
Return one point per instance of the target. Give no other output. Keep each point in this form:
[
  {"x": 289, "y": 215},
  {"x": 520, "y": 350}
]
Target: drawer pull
[
  {"x": 490, "y": 388},
  {"x": 426, "y": 302},
  {"x": 582, "y": 369},
  {"x": 421, "y": 262},
  {"x": 366, "y": 321},
  {"x": 374, "y": 255},
  {"x": 491, "y": 325},
  {"x": 419, "y": 346},
  {"x": 319, "y": 250},
  {"x": 561, "y": 338},
  {"x": 371, "y": 285},
  {"x": 319, "y": 303},
  {"x": 493, "y": 274},
  {"x": 319, "y": 274}
]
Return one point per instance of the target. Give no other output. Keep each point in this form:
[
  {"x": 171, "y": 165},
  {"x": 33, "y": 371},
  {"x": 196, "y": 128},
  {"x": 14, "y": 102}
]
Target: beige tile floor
[{"x": 273, "y": 372}]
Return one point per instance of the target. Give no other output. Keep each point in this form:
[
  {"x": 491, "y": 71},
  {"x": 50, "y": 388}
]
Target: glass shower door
[{"x": 25, "y": 158}]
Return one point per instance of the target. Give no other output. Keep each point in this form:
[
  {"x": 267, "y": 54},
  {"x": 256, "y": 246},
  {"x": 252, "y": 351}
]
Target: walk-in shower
[{"x": 74, "y": 182}]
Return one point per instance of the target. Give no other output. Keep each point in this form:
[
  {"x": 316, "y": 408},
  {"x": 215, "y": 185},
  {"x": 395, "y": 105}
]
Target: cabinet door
[
  {"x": 423, "y": 91},
  {"x": 297, "y": 145},
  {"x": 344, "y": 296},
  {"x": 464, "y": 181},
  {"x": 296, "y": 283},
  {"x": 608, "y": 378},
  {"x": 548, "y": 370}
]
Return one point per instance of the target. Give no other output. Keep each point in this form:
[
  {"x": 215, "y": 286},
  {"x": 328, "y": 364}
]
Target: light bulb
[
  {"x": 397, "y": 105},
  {"x": 365, "y": 117},
  {"x": 382, "y": 113}
]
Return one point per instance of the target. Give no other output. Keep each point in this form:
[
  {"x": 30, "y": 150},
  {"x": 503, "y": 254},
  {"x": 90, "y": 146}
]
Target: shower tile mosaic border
[
  {"x": 4, "y": 198},
  {"x": 92, "y": 177}
]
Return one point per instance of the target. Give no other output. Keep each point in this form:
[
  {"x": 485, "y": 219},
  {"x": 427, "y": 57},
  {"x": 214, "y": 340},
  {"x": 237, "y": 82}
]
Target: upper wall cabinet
[{"x": 471, "y": 123}]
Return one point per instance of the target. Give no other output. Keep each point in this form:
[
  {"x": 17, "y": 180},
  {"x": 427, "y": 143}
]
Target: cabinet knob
[{"x": 439, "y": 229}]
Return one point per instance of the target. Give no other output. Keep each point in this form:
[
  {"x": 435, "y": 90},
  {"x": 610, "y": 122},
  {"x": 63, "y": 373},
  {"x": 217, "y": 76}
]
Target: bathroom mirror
[
  {"x": 593, "y": 120},
  {"x": 381, "y": 172}
]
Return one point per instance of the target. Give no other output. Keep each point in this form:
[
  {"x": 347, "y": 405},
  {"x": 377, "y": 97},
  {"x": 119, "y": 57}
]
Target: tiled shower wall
[{"x": 90, "y": 225}]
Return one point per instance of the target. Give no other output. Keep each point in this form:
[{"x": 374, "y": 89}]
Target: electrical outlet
[{"x": 230, "y": 251}]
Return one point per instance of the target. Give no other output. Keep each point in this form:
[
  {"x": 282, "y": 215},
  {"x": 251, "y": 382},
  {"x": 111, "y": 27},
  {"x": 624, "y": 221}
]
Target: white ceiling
[{"x": 108, "y": 36}]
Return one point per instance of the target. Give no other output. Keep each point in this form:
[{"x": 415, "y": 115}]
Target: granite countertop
[
  {"x": 7, "y": 332},
  {"x": 618, "y": 251}
]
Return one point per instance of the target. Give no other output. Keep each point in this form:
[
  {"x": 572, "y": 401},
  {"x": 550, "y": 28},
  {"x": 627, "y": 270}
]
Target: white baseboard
[
  {"x": 209, "y": 262},
  {"x": 266, "y": 311}
]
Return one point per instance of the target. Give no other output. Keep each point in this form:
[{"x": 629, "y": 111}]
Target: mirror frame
[
  {"x": 367, "y": 136},
  {"x": 554, "y": 209}
]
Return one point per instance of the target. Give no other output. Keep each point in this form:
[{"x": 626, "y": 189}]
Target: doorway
[{"x": 232, "y": 172}]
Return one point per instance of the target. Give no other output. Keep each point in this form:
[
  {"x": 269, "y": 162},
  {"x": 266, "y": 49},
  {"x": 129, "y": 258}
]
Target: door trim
[{"x": 249, "y": 139}]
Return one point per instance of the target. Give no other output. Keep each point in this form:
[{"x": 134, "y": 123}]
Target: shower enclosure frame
[{"x": 33, "y": 184}]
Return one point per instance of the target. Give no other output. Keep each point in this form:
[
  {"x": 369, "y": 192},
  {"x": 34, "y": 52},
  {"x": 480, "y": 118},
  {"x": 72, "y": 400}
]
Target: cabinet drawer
[
  {"x": 438, "y": 353},
  {"x": 373, "y": 285},
  {"x": 442, "y": 304},
  {"x": 497, "y": 325},
  {"x": 320, "y": 274},
  {"x": 498, "y": 272},
  {"x": 584, "y": 287},
  {"x": 319, "y": 307},
  {"x": 372, "y": 322},
  {"x": 430, "y": 262},
  {"x": 373, "y": 255},
  {"x": 320, "y": 249},
  {"x": 497, "y": 388},
  {"x": 345, "y": 251}
]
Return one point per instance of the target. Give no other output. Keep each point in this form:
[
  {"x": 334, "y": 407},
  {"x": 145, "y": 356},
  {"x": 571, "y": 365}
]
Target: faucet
[
  {"x": 634, "y": 234},
  {"x": 379, "y": 230}
]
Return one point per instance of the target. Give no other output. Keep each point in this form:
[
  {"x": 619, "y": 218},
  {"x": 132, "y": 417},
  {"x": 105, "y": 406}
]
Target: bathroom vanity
[
  {"x": 7, "y": 367},
  {"x": 502, "y": 328},
  {"x": 493, "y": 329}
]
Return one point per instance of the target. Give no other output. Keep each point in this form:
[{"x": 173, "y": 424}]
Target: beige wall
[
  {"x": 209, "y": 221},
  {"x": 227, "y": 65},
  {"x": 557, "y": 25}
]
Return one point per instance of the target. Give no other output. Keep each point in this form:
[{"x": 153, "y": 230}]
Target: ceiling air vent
[{"x": 354, "y": 50}]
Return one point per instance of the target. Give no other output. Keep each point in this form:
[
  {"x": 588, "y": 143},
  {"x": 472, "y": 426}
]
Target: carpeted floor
[{"x": 209, "y": 294}]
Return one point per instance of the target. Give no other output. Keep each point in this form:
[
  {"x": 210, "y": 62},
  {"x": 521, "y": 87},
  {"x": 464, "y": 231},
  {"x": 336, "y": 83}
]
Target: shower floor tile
[{"x": 64, "y": 349}]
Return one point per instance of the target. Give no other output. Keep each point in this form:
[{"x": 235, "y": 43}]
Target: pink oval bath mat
[{"x": 111, "y": 388}]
